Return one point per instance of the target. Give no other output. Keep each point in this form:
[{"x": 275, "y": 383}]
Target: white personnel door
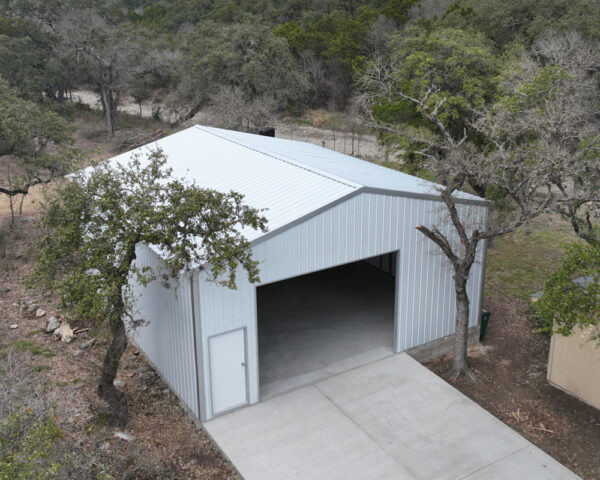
[{"x": 227, "y": 353}]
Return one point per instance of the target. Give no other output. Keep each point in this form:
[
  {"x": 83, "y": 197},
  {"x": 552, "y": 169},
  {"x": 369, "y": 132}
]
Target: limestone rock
[
  {"x": 88, "y": 344},
  {"x": 13, "y": 326},
  {"x": 52, "y": 324},
  {"x": 40, "y": 313},
  {"x": 124, "y": 436},
  {"x": 64, "y": 332},
  {"x": 118, "y": 383}
]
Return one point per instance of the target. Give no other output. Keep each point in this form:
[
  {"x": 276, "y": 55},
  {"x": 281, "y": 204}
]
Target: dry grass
[{"x": 518, "y": 263}]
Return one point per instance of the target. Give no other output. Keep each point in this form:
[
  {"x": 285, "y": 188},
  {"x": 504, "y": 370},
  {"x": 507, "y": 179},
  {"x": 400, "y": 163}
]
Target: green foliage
[
  {"x": 565, "y": 303},
  {"x": 337, "y": 41},
  {"x": 25, "y": 57},
  {"x": 246, "y": 56},
  {"x": 93, "y": 224},
  {"x": 535, "y": 91},
  {"x": 452, "y": 64},
  {"x": 397, "y": 10},
  {"x": 26, "y": 446},
  {"x": 522, "y": 21},
  {"x": 30, "y": 135},
  {"x": 24, "y": 125},
  {"x": 155, "y": 18},
  {"x": 462, "y": 65},
  {"x": 329, "y": 40}
]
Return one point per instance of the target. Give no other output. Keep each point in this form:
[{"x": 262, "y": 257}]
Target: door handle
[{"x": 243, "y": 364}]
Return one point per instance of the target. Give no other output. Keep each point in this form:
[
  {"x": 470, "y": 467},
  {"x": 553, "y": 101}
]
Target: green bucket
[{"x": 485, "y": 317}]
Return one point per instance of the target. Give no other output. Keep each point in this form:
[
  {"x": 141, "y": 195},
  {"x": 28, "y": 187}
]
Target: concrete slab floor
[
  {"x": 392, "y": 418},
  {"x": 313, "y": 326}
]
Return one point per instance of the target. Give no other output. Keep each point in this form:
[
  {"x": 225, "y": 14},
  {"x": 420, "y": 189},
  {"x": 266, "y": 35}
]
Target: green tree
[
  {"x": 34, "y": 144},
  {"x": 244, "y": 56},
  {"x": 31, "y": 57},
  {"x": 463, "y": 68},
  {"x": 523, "y": 21},
  {"x": 24, "y": 53},
  {"x": 93, "y": 224},
  {"x": 515, "y": 147},
  {"x": 397, "y": 10},
  {"x": 113, "y": 56},
  {"x": 338, "y": 41}
]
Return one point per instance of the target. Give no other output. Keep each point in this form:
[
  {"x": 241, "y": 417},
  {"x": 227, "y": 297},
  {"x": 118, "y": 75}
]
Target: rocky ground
[{"x": 56, "y": 359}]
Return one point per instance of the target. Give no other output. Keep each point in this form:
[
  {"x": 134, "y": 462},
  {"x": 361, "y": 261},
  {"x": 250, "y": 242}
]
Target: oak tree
[
  {"x": 35, "y": 144},
  {"x": 93, "y": 223}
]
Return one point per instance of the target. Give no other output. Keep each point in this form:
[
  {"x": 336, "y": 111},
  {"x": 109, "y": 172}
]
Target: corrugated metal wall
[
  {"x": 361, "y": 227},
  {"x": 167, "y": 338}
]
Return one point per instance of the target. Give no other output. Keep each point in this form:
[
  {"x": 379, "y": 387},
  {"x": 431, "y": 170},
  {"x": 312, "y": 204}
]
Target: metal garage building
[{"x": 326, "y": 211}]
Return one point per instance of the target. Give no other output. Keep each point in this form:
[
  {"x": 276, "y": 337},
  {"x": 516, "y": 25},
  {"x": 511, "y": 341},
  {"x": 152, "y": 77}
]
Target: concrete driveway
[{"x": 390, "y": 419}]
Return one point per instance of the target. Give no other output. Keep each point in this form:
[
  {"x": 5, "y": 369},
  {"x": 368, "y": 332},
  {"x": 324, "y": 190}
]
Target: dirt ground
[
  {"x": 168, "y": 444},
  {"x": 313, "y": 129},
  {"x": 511, "y": 384}
]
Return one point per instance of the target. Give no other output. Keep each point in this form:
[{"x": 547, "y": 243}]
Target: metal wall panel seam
[{"x": 197, "y": 325}]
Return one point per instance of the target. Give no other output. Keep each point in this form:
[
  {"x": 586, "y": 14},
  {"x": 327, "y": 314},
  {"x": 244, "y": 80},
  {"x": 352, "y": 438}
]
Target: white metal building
[{"x": 324, "y": 209}]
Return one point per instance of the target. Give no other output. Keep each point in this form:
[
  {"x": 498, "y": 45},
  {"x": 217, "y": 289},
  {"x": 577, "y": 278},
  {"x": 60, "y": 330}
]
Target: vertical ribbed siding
[
  {"x": 167, "y": 337},
  {"x": 221, "y": 310},
  {"x": 361, "y": 227}
]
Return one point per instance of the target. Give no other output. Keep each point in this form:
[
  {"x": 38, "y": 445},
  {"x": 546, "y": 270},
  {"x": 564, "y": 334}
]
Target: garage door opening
[{"x": 324, "y": 323}]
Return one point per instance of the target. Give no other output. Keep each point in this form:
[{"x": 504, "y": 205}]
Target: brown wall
[{"x": 574, "y": 366}]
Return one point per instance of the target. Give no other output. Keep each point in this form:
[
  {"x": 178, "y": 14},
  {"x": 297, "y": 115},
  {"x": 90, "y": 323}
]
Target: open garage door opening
[{"x": 323, "y": 323}]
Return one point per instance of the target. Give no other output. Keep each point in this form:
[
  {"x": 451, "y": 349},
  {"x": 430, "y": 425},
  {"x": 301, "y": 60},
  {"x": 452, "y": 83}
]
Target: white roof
[{"x": 289, "y": 179}]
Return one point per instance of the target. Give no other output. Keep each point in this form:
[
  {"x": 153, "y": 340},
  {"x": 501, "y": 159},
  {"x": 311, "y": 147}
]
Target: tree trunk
[
  {"x": 108, "y": 106},
  {"x": 116, "y": 399},
  {"x": 460, "y": 364}
]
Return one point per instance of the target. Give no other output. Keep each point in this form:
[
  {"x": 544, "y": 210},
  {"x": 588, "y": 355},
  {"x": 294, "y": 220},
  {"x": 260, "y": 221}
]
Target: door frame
[{"x": 210, "y": 379}]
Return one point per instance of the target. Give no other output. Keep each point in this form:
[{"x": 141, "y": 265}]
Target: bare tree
[
  {"x": 230, "y": 108},
  {"x": 569, "y": 127},
  {"x": 379, "y": 34},
  {"x": 515, "y": 162}
]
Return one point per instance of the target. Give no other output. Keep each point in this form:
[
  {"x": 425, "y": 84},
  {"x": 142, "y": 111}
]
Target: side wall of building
[
  {"x": 363, "y": 226},
  {"x": 574, "y": 366},
  {"x": 167, "y": 335}
]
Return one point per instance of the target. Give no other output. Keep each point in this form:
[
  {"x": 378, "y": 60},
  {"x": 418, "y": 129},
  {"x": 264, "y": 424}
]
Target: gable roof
[{"x": 290, "y": 179}]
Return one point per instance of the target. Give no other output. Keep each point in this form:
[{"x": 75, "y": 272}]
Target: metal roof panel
[
  {"x": 351, "y": 169},
  {"x": 287, "y": 191}
]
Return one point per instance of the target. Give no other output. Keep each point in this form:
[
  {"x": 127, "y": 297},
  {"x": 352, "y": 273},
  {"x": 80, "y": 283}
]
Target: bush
[
  {"x": 572, "y": 293},
  {"x": 26, "y": 447}
]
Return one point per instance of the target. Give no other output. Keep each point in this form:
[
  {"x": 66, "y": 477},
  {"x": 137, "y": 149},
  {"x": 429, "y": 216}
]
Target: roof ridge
[{"x": 282, "y": 158}]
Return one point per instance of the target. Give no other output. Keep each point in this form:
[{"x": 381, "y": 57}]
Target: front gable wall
[{"x": 363, "y": 226}]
